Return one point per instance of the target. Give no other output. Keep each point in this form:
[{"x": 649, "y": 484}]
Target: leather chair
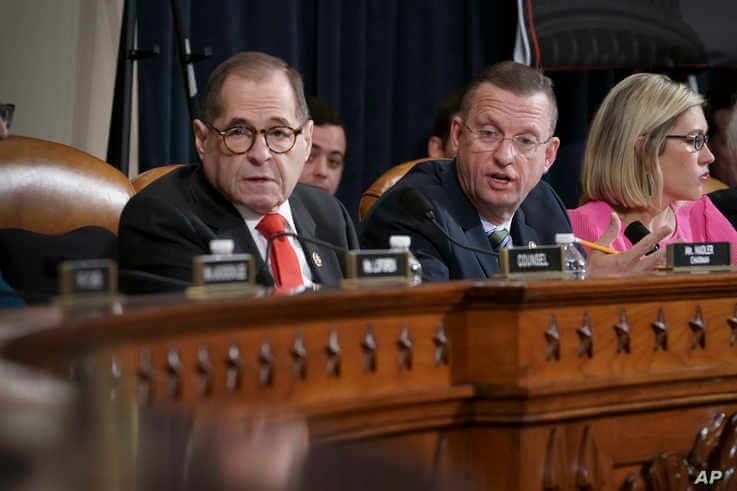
[
  {"x": 145, "y": 178},
  {"x": 384, "y": 182},
  {"x": 56, "y": 203}
]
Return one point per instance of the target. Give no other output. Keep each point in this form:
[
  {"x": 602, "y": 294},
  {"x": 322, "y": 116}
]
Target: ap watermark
[{"x": 708, "y": 477}]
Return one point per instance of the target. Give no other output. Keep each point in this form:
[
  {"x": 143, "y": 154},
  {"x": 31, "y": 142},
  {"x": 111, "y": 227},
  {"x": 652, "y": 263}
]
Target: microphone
[
  {"x": 136, "y": 281},
  {"x": 419, "y": 207},
  {"x": 300, "y": 239},
  {"x": 636, "y": 231}
]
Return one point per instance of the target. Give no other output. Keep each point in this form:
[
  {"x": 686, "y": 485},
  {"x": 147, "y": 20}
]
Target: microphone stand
[
  {"x": 118, "y": 153},
  {"x": 118, "y": 149},
  {"x": 187, "y": 59}
]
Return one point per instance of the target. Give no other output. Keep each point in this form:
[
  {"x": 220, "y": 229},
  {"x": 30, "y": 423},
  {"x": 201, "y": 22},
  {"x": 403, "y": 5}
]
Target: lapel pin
[{"x": 316, "y": 259}]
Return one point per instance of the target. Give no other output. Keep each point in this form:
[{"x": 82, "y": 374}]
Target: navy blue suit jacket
[{"x": 537, "y": 220}]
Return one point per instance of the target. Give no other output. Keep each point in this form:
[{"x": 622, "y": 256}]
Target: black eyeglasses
[
  {"x": 697, "y": 140},
  {"x": 6, "y": 114},
  {"x": 240, "y": 139}
]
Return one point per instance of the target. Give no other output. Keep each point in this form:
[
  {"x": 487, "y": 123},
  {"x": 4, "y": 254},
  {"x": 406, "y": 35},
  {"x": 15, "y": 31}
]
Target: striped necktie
[{"x": 500, "y": 239}]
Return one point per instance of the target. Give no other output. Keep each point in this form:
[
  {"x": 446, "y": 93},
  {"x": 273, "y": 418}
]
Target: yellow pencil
[{"x": 595, "y": 246}]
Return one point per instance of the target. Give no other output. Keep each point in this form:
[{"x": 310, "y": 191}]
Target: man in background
[
  {"x": 726, "y": 199},
  {"x": 6, "y": 117},
  {"x": 439, "y": 145},
  {"x": 324, "y": 166},
  {"x": 719, "y": 111}
]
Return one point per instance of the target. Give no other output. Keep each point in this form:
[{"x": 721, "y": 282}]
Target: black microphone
[
  {"x": 635, "y": 232},
  {"x": 419, "y": 207},
  {"x": 300, "y": 239},
  {"x": 142, "y": 282}
]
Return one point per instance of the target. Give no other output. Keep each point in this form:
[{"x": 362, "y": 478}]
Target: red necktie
[{"x": 283, "y": 258}]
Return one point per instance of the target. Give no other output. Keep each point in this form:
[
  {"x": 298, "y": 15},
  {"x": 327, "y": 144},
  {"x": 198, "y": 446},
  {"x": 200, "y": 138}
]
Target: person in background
[
  {"x": 439, "y": 145},
  {"x": 490, "y": 196},
  {"x": 647, "y": 160},
  {"x": 726, "y": 199},
  {"x": 721, "y": 108},
  {"x": 732, "y": 137},
  {"x": 6, "y": 118},
  {"x": 324, "y": 166}
]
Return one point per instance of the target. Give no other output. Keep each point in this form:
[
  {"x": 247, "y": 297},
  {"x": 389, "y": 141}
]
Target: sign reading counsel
[{"x": 542, "y": 260}]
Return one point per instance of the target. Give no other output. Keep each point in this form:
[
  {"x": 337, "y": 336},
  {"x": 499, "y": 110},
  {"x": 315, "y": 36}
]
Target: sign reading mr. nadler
[
  {"x": 699, "y": 255},
  {"x": 542, "y": 260}
]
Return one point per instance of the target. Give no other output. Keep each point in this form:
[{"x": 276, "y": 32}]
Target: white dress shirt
[{"x": 490, "y": 227}]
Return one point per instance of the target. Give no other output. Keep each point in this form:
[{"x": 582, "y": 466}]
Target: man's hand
[{"x": 629, "y": 261}]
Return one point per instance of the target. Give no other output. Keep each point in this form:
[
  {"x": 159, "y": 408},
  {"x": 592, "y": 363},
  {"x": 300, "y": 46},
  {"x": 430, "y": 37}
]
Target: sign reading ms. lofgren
[
  {"x": 541, "y": 261},
  {"x": 699, "y": 255}
]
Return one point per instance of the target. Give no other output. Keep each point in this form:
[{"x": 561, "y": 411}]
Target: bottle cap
[
  {"x": 565, "y": 238},
  {"x": 400, "y": 241},
  {"x": 222, "y": 246}
]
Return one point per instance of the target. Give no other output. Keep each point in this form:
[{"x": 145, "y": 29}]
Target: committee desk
[{"x": 608, "y": 383}]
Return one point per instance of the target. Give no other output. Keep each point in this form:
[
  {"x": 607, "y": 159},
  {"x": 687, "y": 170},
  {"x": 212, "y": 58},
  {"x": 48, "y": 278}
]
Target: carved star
[
  {"x": 552, "y": 337},
  {"x": 585, "y": 338},
  {"x": 622, "y": 329},
  {"x": 698, "y": 328},
  {"x": 661, "y": 331}
]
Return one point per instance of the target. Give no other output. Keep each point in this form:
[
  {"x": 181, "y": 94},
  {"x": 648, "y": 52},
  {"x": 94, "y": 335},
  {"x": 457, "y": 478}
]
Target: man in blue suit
[{"x": 491, "y": 195}]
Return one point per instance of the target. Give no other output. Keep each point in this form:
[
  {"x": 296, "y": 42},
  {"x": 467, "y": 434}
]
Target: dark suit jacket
[
  {"x": 726, "y": 201},
  {"x": 538, "y": 219},
  {"x": 173, "y": 219}
]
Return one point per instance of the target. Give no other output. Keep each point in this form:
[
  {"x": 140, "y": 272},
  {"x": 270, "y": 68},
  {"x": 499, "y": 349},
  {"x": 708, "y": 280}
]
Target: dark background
[{"x": 387, "y": 64}]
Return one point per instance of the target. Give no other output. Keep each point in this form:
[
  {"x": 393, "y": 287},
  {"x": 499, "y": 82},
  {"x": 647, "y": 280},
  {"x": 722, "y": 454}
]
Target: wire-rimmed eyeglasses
[
  {"x": 240, "y": 139},
  {"x": 523, "y": 144}
]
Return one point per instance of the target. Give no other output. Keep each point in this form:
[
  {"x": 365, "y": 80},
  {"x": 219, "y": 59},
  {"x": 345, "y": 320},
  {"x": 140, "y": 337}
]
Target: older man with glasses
[
  {"x": 253, "y": 140},
  {"x": 491, "y": 195}
]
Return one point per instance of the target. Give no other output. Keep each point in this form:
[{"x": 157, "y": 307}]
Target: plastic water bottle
[
  {"x": 222, "y": 247},
  {"x": 573, "y": 261},
  {"x": 402, "y": 243}
]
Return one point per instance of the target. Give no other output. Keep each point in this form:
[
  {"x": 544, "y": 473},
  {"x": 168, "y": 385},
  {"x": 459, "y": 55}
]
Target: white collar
[
  {"x": 252, "y": 218},
  {"x": 490, "y": 227}
]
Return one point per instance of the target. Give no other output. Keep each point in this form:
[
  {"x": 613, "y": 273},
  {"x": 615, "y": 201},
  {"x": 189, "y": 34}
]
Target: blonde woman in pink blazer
[{"x": 646, "y": 160}]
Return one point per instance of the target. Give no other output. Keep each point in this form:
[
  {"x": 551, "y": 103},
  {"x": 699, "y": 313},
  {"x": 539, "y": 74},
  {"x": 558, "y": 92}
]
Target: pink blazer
[{"x": 696, "y": 221}]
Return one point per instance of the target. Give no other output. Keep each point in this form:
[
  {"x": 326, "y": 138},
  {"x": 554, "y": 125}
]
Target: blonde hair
[{"x": 621, "y": 164}]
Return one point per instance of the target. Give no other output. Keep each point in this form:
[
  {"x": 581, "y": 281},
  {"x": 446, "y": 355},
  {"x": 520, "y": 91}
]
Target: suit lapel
[
  {"x": 468, "y": 218},
  {"x": 323, "y": 262},
  {"x": 226, "y": 223},
  {"x": 522, "y": 234}
]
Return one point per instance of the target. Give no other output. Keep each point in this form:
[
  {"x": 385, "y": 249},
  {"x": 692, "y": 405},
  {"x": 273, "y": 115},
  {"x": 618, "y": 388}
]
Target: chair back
[
  {"x": 145, "y": 178},
  {"x": 57, "y": 203},
  {"x": 50, "y": 188},
  {"x": 384, "y": 182}
]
